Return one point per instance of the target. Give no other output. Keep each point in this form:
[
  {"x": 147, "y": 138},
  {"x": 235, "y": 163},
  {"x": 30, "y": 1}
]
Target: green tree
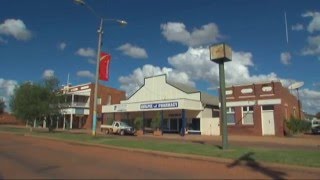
[
  {"x": 27, "y": 102},
  {"x": 53, "y": 99},
  {"x": 2, "y": 106},
  {"x": 32, "y": 102},
  {"x": 318, "y": 115}
]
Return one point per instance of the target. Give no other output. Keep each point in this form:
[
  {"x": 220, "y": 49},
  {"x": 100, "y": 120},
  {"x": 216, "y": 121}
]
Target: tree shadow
[{"x": 251, "y": 163}]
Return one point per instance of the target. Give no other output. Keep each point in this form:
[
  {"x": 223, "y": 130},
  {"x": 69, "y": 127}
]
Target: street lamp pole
[
  {"x": 96, "y": 85},
  {"x": 94, "y": 120}
]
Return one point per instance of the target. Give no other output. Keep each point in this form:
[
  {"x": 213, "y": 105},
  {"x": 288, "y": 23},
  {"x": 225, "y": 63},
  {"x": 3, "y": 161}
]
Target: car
[
  {"x": 118, "y": 127},
  {"x": 315, "y": 130}
]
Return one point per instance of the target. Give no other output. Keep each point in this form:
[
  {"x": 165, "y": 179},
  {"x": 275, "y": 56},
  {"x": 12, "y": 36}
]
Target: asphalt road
[{"x": 26, "y": 157}]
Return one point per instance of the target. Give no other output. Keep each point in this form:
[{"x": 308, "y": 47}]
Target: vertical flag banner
[{"x": 104, "y": 66}]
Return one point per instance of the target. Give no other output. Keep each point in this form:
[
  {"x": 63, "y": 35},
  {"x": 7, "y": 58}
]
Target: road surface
[{"x": 26, "y": 157}]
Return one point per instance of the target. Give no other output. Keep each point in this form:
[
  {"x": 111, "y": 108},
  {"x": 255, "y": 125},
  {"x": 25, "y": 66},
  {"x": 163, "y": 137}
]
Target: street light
[
  {"x": 100, "y": 33},
  {"x": 220, "y": 53}
]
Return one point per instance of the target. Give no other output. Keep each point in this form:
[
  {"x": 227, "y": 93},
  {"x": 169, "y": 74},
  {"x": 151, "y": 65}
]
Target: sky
[{"x": 42, "y": 38}]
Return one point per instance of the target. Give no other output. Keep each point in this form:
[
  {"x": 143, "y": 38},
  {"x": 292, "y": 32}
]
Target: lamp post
[
  {"x": 220, "y": 53},
  {"x": 100, "y": 33}
]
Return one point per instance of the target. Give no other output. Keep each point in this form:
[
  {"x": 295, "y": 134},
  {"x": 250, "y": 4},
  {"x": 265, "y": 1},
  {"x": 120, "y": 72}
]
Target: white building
[{"x": 180, "y": 106}]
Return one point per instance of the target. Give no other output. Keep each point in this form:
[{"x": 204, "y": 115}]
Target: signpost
[{"x": 220, "y": 53}]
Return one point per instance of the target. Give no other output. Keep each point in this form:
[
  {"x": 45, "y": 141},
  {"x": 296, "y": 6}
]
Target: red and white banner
[{"x": 105, "y": 59}]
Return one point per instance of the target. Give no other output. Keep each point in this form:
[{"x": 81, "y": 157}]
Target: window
[
  {"x": 165, "y": 125},
  {"x": 195, "y": 124},
  {"x": 247, "y": 115},
  {"x": 230, "y": 116},
  {"x": 109, "y": 100},
  {"x": 216, "y": 113},
  {"x": 267, "y": 108}
]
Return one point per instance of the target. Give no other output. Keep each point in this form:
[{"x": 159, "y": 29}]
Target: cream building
[{"x": 180, "y": 106}]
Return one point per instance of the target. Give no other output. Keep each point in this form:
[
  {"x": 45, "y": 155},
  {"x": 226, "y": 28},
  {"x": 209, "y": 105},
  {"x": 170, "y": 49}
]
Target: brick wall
[
  {"x": 103, "y": 92},
  {"x": 6, "y": 118},
  {"x": 262, "y": 91}
]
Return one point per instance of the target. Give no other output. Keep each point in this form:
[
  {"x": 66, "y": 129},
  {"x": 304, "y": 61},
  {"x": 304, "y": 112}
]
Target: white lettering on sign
[{"x": 159, "y": 105}]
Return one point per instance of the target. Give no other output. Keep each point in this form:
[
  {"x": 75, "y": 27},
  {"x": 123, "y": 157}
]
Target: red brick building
[
  {"x": 260, "y": 109},
  {"x": 6, "y": 118},
  {"x": 78, "y": 106}
]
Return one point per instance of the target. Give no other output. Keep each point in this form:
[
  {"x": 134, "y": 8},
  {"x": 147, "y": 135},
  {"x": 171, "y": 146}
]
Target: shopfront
[{"x": 179, "y": 107}]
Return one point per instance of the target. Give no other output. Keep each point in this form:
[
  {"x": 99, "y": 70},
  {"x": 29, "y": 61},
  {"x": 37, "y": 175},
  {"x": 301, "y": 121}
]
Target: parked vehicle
[
  {"x": 315, "y": 130},
  {"x": 117, "y": 127},
  {"x": 315, "y": 123}
]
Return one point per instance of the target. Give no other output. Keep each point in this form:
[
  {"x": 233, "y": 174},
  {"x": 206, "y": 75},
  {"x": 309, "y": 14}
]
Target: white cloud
[
  {"x": 62, "y": 46},
  {"x": 85, "y": 74},
  {"x": 314, "y": 24},
  {"x": 316, "y": 84},
  {"x": 194, "y": 66},
  {"x": 195, "y": 62},
  {"x": 297, "y": 27},
  {"x": 133, "y": 51},
  {"x": 132, "y": 82},
  {"x": 310, "y": 100},
  {"x": 313, "y": 47},
  {"x": 92, "y": 61},
  {"x": 285, "y": 58},
  {"x": 86, "y": 52},
  {"x": 6, "y": 90},
  {"x": 176, "y": 32},
  {"x": 15, "y": 28},
  {"x": 48, "y": 73}
]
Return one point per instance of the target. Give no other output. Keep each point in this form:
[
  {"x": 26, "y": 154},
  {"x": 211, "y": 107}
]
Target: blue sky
[{"x": 40, "y": 38}]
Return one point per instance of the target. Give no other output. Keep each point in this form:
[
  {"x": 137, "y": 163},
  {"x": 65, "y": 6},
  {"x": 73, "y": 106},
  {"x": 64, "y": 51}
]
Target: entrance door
[{"x": 268, "y": 121}]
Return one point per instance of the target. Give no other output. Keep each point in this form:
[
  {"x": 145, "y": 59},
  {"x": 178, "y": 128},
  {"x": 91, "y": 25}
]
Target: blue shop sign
[{"x": 159, "y": 105}]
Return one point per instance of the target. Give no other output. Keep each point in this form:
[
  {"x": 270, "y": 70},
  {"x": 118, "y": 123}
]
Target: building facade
[
  {"x": 260, "y": 109},
  {"x": 77, "y": 109},
  {"x": 180, "y": 107}
]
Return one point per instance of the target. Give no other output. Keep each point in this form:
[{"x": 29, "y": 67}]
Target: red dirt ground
[{"x": 30, "y": 158}]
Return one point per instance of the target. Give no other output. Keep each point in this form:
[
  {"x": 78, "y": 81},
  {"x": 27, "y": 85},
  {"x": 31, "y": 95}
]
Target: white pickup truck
[{"x": 117, "y": 127}]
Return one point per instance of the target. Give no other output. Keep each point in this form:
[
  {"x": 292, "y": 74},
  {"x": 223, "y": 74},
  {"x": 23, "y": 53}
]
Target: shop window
[
  {"x": 267, "y": 108},
  {"x": 147, "y": 123},
  {"x": 247, "y": 115},
  {"x": 194, "y": 124},
  {"x": 230, "y": 116},
  {"x": 109, "y": 100},
  {"x": 165, "y": 125},
  {"x": 174, "y": 124}
]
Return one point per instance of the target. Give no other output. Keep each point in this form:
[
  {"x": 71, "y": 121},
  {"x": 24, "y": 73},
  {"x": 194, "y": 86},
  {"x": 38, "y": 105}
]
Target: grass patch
[{"x": 292, "y": 156}]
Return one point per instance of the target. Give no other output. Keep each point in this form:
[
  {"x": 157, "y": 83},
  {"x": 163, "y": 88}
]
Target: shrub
[
  {"x": 156, "y": 121},
  {"x": 138, "y": 123},
  {"x": 297, "y": 126}
]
